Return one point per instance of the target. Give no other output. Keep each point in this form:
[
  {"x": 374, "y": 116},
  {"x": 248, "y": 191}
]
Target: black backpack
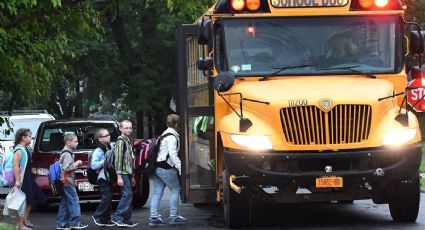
[
  {"x": 92, "y": 174},
  {"x": 146, "y": 153},
  {"x": 109, "y": 163}
]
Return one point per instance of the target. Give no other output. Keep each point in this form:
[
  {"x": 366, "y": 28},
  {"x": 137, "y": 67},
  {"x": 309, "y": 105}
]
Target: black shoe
[
  {"x": 130, "y": 223},
  {"x": 119, "y": 222},
  {"x": 97, "y": 221},
  {"x": 107, "y": 223}
]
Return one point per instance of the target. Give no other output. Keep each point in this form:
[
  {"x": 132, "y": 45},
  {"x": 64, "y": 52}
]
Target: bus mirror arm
[
  {"x": 244, "y": 123},
  {"x": 403, "y": 118}
]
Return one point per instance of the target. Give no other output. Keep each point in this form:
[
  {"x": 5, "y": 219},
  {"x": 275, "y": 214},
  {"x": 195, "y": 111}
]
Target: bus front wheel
[
  {"x": 404, "y": 203},
  {"x": 235, "y": 206}
]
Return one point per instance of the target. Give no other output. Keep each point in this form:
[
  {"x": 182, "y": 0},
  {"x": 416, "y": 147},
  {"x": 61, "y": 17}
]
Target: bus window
[{"x": 372, "y": 44}]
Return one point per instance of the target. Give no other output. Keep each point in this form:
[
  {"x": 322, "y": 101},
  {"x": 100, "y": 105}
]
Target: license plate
[
  {"x": 85, "y": 186},
  {"x": 329, "y": 182}
]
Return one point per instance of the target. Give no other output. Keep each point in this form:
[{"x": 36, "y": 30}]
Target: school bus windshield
[{"x": 257, "y": 46}]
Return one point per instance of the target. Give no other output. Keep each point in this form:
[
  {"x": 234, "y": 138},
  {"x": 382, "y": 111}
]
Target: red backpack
[{"x": 146, "y": 153}]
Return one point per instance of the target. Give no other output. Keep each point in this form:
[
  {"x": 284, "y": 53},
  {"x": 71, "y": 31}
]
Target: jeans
[
  {"x": 161, "y": 178},
  {"x": 103, "y": 211},
  {"x": 69, "y": 209},
  {"x": 125, "y": 208}
]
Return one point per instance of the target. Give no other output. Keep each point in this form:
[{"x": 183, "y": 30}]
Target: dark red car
[{"x": 49, "y": 143}]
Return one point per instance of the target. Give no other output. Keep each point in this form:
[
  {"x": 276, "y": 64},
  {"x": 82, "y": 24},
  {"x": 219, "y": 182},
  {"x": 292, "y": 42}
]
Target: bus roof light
[
  {"x": 376, "y": 5},
  {"x": 253, "y": 4},
  {"x": 237, "y": 5},
  {"x": 366, "y": 3},
  {"x": 381, "y": 3}
]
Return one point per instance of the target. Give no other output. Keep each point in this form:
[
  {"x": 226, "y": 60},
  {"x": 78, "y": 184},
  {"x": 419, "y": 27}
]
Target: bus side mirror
[
  {"x": 416, "y": 39},
  {"x": 205, "y": 63},
  {"x": 224, "y": 81},
  {"x": 205, "y": 32}
]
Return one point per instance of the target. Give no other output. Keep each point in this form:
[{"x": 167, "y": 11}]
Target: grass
[{"x": 6, "y": 227}]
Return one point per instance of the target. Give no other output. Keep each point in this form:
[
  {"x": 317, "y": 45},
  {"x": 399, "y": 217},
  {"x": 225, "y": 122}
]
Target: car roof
[
  {"x": 30, "y": 116},
  {"x": 79, "y": 120},
  {"x": 26, "y": 114}
]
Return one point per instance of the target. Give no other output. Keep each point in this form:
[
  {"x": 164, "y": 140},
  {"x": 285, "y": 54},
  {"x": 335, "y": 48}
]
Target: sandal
[{"x": 28, "y": 223}]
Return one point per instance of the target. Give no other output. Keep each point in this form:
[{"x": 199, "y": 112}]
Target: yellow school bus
[{"x": 290, "y": 101}]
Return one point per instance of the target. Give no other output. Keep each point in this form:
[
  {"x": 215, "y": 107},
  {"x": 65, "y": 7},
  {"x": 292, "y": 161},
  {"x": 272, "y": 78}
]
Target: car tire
[
  {"x": 404, "y": 202},
  {"x": 142, "y": 194}
]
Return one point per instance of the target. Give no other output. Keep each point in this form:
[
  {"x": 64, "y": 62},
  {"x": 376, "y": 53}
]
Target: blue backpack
[
  {"x": 7, "y": 166},
  {"x": 55, "y": 172}
]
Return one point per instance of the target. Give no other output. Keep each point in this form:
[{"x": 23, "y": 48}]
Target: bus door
[{"x": 196, "y": 110}]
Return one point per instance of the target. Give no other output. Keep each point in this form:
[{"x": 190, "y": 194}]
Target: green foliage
[
  {"x": 36, "y": 39},
  {"x": 415, "y": 11}
]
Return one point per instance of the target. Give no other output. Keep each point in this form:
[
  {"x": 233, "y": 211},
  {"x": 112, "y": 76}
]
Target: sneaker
[
  {"x": 80, "y": 225},
  {"x": 119, "y": 222},
  {"x": 97, "y": 221},
  {"x": 177, "y": 220},
  {"x": 107, "y": 223},
  {"x": 156, "y": 221},
  {"x": 102, "y": 223},
  {"x": 130, "y": 223},
  {"x": 62, "y": 228}
]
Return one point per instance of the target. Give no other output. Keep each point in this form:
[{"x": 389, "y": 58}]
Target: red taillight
[
  {"x": 237, "y": 5},
  {"x": 253, "y": 4}
]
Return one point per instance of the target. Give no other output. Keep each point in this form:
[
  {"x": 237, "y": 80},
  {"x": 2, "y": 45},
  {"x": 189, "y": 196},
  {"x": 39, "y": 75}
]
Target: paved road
[{"x": 360, "y": 215}]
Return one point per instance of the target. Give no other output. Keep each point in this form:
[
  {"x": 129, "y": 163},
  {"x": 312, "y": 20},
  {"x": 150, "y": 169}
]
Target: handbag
[{"x": 15, "y": 203}]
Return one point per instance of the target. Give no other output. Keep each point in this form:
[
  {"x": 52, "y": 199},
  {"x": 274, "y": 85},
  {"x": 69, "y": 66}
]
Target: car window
[
  {"x": 52, "y": 135},
  {"x": 30, "y": 123}
]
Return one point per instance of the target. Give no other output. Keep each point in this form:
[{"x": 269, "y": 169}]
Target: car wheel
[
  {"x": 404, "y": 203},
  {"x": 141, "y": 196}
]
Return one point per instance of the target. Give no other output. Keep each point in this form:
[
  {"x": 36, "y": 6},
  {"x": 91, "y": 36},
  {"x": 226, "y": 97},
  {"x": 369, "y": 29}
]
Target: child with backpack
[
  {"x": 23, "y": 178},
  {"x": 168, "y": 169},
  {"x": 102, "y": 215},
  {"x": 123, "y": 157},
  {"x": 69, "y": 209}
]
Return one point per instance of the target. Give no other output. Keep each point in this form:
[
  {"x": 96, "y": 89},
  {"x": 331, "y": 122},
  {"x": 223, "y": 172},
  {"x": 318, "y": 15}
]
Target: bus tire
[
  {"x": 235, "y": 206},
  {"x": 140, "y": 197},
  {"x": 404, "y": 202}
]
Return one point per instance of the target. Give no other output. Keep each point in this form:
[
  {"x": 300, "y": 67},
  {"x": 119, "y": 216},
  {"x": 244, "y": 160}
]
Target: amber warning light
[
  {"x": 376, "y": 5},
  {"x": 239, "y": 5}
]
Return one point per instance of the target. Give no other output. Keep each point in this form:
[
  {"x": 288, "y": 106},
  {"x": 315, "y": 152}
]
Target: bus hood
[{"x": 343, "y": 89}]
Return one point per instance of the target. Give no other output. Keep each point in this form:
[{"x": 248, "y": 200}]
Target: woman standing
[
  {"x": 23, "y": 176},
  {"x": 167, "y": 174}
]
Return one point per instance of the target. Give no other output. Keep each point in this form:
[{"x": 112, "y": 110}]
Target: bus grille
[{"x": 344, "y": 124}]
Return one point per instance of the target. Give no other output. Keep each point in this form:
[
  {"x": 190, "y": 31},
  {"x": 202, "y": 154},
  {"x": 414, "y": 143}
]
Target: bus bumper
[{"x": 364, "y": 172}]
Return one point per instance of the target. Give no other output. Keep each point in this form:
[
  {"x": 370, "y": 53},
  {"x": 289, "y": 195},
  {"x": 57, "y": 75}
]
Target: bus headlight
[
  {"x": 398, "y": 137},
  {"x": 252, "y": 142}
]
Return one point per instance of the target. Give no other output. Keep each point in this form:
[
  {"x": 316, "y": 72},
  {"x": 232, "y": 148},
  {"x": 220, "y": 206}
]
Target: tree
[{"x": 36, "y": 40}]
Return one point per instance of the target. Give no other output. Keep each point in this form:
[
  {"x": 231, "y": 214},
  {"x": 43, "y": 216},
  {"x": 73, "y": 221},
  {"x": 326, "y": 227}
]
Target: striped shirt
[{"x": 123, "y": 156}]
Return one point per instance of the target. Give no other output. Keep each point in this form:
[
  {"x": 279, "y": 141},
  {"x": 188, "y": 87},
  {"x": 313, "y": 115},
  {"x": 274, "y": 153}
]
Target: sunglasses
[{"x": 107, "y": 135}]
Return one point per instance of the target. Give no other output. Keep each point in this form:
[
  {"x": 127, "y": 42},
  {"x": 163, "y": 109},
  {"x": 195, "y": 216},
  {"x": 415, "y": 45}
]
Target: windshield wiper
[
  {"x": 280, "y": 69},
  {"x": 369, "y": 75}
]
